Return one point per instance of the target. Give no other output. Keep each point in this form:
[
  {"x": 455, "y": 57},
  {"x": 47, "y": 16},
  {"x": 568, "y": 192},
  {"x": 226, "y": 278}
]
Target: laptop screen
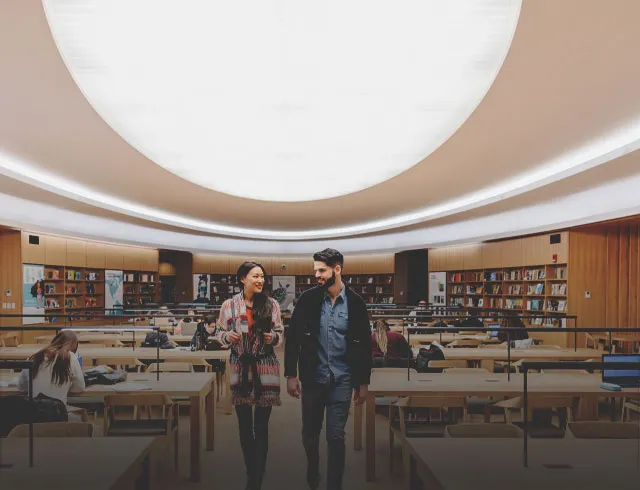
[
  {"x": 494, "y": 333},
  {"x": 630, "y": 375}
]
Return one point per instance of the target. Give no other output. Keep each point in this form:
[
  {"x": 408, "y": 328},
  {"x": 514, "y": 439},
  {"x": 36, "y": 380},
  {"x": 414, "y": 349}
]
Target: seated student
[
  {"x": 389, "y": 349},
  {"x": 472, "y": 322},
  {"x": 518, "y": 338},
  {"x": 56, "y": 370},
  {"x": 164, "y": 312},
  {"x": 204, "y": 330}
]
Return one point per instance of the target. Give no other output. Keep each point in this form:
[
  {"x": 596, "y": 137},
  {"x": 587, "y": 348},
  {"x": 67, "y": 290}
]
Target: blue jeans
[{"x": 335, "y": 396}]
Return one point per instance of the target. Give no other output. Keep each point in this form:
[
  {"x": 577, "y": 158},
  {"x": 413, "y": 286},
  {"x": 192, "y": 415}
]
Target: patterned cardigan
[{"x": 252, "y": 356}]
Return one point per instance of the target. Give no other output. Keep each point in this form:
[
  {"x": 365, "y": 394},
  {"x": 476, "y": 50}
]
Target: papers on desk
[{"x": 131, "y": 387}]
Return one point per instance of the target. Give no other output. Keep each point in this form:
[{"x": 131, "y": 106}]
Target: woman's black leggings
[{"x": 254, "y": 440}]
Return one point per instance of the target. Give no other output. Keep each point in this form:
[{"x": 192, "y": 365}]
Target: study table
[
  {"x": 199, "y": 387},
  {"x": 584, "y": 387},
  {"x": 553, "y": 464},
  {"x": 78, "y": 463}
]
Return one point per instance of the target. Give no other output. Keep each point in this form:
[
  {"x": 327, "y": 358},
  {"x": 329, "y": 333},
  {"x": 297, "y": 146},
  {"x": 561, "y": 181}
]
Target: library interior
[{"x": 383, "y": 246}]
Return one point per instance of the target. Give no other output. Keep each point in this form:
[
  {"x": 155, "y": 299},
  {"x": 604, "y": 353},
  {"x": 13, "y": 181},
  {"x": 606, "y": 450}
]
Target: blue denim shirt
[{"x": 334, "y": 323}]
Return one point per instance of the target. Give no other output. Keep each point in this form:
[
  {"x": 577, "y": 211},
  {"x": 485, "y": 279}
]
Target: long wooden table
[
  {"x": 199, "y": 387},
  {"x": 146, "y": 353},
  {"x": 78, "y": 463},
  {"x": 124, "y": 337},
  {"x": 585, "y": 387},
  {"x": 460, "y": 464},
  {"x": 447, "y": 338}
]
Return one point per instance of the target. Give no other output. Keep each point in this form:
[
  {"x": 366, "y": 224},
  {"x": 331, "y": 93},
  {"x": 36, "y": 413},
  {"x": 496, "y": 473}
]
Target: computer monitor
[
  {"x": 494, "y": 333},
  {"x": 622, "y": 377}
]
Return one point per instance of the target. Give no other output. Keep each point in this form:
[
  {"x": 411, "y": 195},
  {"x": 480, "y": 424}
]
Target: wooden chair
[
  {"x": 604, "y": 430},
  {"x": 165, "y": 425},
  {"x": 9, "y": 340},
  {"x": 466, "y": 371},
  {"x": 170, "y": 367},
  {"x": 629, "y": 405},
  {"x": 120, "y": 363},
  {"x": 564, "y": 405},
  {"x": 495, "y": 431},
  {"x": 54, "y": 429},
  {"x": 404, "y": 430}
]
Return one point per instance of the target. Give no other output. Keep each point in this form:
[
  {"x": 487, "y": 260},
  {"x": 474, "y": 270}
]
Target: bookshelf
[
  {"x": 540, "y": 289},
  {"x": 139, "y": 288},
  {"x": 374, "y": 288},
  {"x": 73, "y": 291},
  {"x": 224, "y": 286}
]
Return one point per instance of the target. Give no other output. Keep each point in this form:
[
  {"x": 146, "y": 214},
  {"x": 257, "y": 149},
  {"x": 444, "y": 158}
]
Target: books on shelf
[
  {"x": 53, "y": 274},
  {"x": 496, "y": 289},
  {"x": 456, "y": 277},
  {"x": 556, "y": 305},
  {"x": 513, "y": 275},
  {"x": 535, "y": 289},
  {"x": 534, "y": 305},
  {"x": 534, "y": 274},
  {"x": 559, "y": 289},
  {"x": 472, "y": 289},
  {"x": 515, "y": 289},
  {"x": 513, "y": 304},
  {"x": 561, "y": 273}
]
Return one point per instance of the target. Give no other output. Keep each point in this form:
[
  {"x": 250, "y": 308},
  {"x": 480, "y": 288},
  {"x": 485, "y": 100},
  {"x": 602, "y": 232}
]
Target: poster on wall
[
  {"x": 113, "y": 289},
  {"x": 33, "y": 293},
  {"x": 284, "y": 292},
  {"x": 438, "y": 288},
  {"x": 201, "y": 288}
]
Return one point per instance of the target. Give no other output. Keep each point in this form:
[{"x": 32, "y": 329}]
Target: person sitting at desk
[
  {"x": 389, "y": 349},
  {"x": 519, "y": 338},
  {"x": 164, "y": 312},
  {"x": 56, "y": 370},
  {"x": 204, "y": 331},
  {"x": 418, "y": 312}
]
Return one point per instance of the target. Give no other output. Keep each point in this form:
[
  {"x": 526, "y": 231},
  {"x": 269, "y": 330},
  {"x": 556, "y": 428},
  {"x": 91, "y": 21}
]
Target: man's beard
[{"x": 329, "y": 282}]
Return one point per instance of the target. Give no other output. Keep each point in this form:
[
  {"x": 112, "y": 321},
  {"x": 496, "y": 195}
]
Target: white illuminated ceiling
[
  {"x": 284, "y": 100},
  {"x": 553, "y": 142}
]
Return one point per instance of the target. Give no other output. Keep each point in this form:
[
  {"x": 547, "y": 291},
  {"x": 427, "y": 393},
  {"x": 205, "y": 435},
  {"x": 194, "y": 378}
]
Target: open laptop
[
  {"x": 494, "y": 332},
  {"x": 622, "y": 377}
]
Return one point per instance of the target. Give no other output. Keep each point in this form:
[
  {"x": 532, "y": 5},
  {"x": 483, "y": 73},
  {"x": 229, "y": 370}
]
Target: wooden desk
[
  {"x": 124, "y": 337},
  {"x": 77, "y": 463},
  {"x": 447, "y": 338},
  {"x": 498, "y": 463},
  {"x": 147, "y": 353},
  {"x": 199, "y": 387},
  {"x": 585, "y": 387},
  {"x": 501, "y": 354}
]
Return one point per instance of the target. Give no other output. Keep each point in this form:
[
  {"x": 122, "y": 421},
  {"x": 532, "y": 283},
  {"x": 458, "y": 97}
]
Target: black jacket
[{"x": 302, "y": 342}]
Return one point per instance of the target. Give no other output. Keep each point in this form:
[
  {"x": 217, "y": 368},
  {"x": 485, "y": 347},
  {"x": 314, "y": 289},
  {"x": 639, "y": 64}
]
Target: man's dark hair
[
  {"x": 329, "y": 256},
  {"x": 210, "y": 319}
]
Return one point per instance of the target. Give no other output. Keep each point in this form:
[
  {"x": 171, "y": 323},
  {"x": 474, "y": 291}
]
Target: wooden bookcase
[
  {"x": 224, "y": 286},
  {"x": 140, "y": 288},
  {"x": 73, "y": 291},
  {"x": 531, "y": 290}
]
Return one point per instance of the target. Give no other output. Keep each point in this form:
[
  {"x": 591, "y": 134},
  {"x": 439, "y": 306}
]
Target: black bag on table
[
  {"x": 155, "y": 339},
  {"x": 426, "y": 354},
  {"x": 98, "y": 376}
]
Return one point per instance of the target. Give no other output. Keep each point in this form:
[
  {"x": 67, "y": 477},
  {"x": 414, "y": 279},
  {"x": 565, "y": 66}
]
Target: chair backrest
[
  {"x": 466, "y": 371},
  {"x": 9, "y": 340},
  {"x": 54, "y": 429},
  {"x": 500, "y": 431},
  {"x": 604, "y": 430},
  {"x": 448, "y": 363},
  {"x": 170, "y": 367}
]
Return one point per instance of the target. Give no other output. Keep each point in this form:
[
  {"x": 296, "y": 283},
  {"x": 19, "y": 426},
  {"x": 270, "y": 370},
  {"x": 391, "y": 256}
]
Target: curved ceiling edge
[
  {"x": 612, "y": 200},
  {"x": 595, "y": 153}
]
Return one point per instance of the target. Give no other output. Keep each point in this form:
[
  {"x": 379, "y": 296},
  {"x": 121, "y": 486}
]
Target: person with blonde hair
[{"x": 389, "y": 349}]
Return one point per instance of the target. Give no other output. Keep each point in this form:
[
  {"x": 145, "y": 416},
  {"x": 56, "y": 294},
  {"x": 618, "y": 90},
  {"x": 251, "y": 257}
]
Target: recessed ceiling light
[{"x": 284, "y": 100}]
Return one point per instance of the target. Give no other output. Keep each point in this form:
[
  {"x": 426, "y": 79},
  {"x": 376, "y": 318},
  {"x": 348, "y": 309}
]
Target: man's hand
[
  {"x": 360, "y": 396},
  {"x": 234, "y": 337},
  {"x": 293, "y": 387}
]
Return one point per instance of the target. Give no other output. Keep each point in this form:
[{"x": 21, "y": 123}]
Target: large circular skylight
[{"x": 284, "y": 100}]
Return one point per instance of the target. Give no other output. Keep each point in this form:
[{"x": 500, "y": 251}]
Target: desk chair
[
  {"x": 165, "y": 425},
  {"x": 541, "y": 428},
  {"x": 54, "y": 429},
  {"x": 629, "y": 405},
  {"x": 9, "y": 340}
]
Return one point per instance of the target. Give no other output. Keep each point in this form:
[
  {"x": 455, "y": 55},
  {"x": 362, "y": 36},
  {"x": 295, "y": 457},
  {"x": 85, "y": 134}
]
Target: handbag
[{"x": 102, "y": 376}]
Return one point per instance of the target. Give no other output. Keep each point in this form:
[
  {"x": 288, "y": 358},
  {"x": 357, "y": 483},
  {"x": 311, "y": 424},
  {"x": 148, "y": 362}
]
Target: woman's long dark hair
[
  {"x": 59, "y": 352},
  {"x": 261, "y": 302},
  {"x": 512, "y": 322}
]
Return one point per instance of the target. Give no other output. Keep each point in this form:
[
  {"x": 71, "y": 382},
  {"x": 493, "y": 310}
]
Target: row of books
[
  {"x": 559, "y": 289},
  {"x": 493, "y": 276},
  {"x": 537, "y": 289},
  {"x": 534, "y": 274},
  {"x": 136, "y": 277}
]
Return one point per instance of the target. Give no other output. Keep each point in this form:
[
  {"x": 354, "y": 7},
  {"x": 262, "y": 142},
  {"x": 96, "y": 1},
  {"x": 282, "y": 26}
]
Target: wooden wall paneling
[
  {"x": 272, "y": 265},
  {"x": 302, "y": 266},
  {"x": 453, "y": 259},
  {"x": 634, "y": 276},
  {"x": 612, "y": 274},
  {"x": 32, "y": 254},
  {"x": 289, "y": 262},
  {"x": 491, "y": 255},
  {"x": 623, "y": 278},
  {"x": 114, "y": 257},
  {"x": 220, "y": 264},
  {"x": 11, "y": 247},
  {"x": 55, "y": 250},
  {"x": 153, "y": 260},
  {"x": 131, "y": 259},
  {"x": 76, "y": 253},
  {"x": 436, "y": 259},
  {"x": 472, "y": 256},
  {"x": 235, "y": 262},
  {"x": 536, "y": 250},
  {"x": 202, "y": 264},
  {"x": 560, "y": 249},
  {"x": 354, "y": 264},
  {"x": 587, "y": 272},
  {"x": 512, "y": 253},
  {"x": 96, "y": 255}
]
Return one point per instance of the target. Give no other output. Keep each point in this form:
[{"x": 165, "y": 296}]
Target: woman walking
[{"x": 251, "y": 325}]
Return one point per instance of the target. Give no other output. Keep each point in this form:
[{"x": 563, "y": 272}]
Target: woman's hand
[
  {"x": 268, "y": 337},
  {"x": 233, "y": 337}
]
